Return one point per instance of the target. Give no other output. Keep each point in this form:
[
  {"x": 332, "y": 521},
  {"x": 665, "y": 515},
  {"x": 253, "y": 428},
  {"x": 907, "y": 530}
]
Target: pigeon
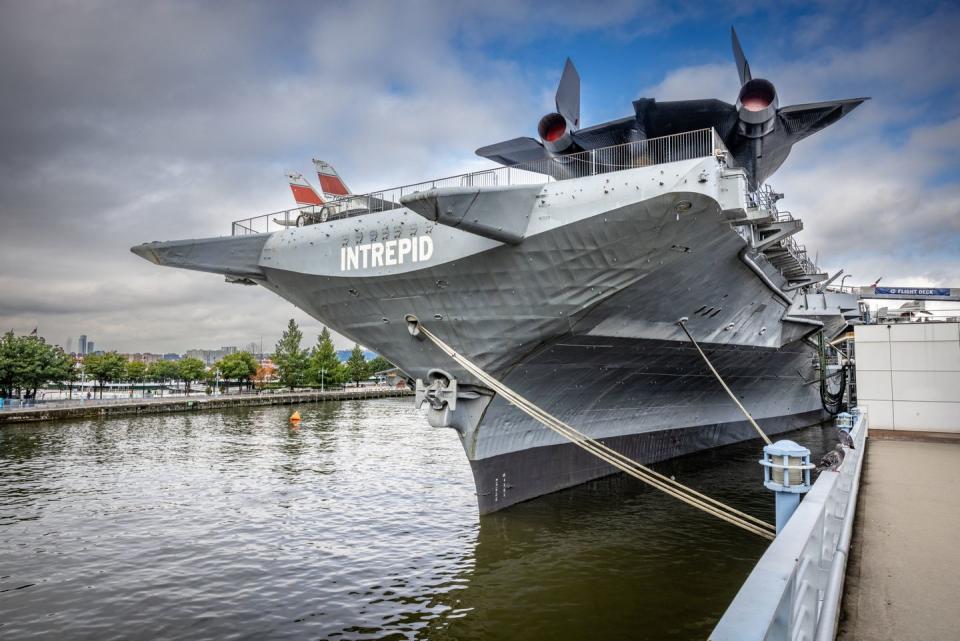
[
  {"x": 832, "y": 459},
  {"x": 845, "y": 439}
]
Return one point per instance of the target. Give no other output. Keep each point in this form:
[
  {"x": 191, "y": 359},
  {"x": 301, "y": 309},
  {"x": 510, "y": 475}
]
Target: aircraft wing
[
  {"x": 801, "y": 121},
  {"x": 512, "y": 152}
]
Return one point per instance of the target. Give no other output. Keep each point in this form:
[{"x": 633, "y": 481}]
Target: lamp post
[
  {"x": 322, "y": 372},
  {"x": 786, "y": 471}
]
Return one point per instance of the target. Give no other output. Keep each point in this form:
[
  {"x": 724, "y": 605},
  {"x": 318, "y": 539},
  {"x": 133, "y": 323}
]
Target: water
[{"x": 361, "y": 524}]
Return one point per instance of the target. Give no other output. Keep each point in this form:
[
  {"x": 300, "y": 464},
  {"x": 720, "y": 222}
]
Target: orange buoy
[{"x": 295, "y": 417}]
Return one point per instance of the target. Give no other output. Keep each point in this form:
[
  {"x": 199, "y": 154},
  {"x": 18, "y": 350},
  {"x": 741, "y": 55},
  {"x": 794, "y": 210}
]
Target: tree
[
  {"x": 265, "y": 374},
  {"x": 291, "y": 361},
  {"x": 190, "y": 369},
  {"x": 136, "y": 373},
  {"x": 105, "y": 368},
  {"x": 27, "y": 363},
  {"x": 325, "y": 367},
  {"x": 239, "y": 366},
  {"x": 379, "y": 364},
  {"x": 71, "y": 371},
  {"x": 163, "y": 371},
  {"x": 357, "y": 365},
  {"x": 8, "y": 365}
]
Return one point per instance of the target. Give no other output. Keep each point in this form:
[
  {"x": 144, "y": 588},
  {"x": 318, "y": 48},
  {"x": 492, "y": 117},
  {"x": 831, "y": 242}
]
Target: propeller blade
[
  {"x": 743, "y": 67},
  {"x": 568, "y": 94}
]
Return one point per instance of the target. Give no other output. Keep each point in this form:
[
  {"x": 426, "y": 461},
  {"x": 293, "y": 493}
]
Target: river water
[{"x": 361, "y": 524}]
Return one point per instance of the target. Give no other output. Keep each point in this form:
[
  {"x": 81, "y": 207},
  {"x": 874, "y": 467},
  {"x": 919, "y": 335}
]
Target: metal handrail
[
  {"x": 794, "y": 591},
  {"x": 688, "y": 145}
]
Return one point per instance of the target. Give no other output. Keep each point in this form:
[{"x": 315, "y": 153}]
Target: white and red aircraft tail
[
  {"x": 303, "y": 191},
  {"x": 330, "y": 182}
]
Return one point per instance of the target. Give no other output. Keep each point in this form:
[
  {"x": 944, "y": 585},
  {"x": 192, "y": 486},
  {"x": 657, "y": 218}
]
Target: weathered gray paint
[{"x": 579, "y": 315}]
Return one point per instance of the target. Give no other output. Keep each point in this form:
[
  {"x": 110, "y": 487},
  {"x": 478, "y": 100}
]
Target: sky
[{"x": 127, "y": 122}]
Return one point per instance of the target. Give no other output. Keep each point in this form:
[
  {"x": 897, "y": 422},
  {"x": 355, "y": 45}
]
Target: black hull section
[{"x": 511, "y": 478}]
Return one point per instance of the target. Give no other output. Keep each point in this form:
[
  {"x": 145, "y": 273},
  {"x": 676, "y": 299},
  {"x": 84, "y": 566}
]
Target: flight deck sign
[{"x": 925, "y": 292}]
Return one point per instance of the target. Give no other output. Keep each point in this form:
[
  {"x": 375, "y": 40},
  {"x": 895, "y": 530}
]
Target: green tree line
[
  {"x": 319, "y": 365},
  {"x": 28, "y": 363}
]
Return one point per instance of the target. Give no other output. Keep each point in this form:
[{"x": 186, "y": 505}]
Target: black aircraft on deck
[{"x": 757, "y": 132}]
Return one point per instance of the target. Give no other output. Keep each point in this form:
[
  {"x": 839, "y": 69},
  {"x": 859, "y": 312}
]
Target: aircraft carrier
[{"x": 563, "y": 272}]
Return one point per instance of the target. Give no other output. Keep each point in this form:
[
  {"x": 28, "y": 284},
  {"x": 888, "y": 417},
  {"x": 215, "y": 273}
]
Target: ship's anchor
[{"x": 440, "y": 393}]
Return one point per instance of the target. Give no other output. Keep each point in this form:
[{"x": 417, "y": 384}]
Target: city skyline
[{"x": 134, "y": 123}]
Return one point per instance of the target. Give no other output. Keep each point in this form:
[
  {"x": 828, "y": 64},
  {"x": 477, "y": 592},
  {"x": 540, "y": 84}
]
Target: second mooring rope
[
  {"x": 616, "y": 459},
  {"x": 683, "y": 325}
]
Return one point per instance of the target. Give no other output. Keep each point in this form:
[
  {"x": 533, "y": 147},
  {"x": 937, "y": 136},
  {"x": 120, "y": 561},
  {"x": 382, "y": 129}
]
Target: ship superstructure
[{"x": 564, "y": 276}]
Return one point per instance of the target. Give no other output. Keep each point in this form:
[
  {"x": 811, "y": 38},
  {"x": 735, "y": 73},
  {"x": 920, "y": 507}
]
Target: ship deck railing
[{"x": 701, "y": 143}]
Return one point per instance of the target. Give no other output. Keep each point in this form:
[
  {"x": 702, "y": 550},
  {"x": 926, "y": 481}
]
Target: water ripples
[{"x": 361, "y": 524}]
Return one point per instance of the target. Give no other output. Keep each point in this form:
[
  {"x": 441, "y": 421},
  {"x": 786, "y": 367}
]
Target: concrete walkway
[{"x": 903, "y": 580}]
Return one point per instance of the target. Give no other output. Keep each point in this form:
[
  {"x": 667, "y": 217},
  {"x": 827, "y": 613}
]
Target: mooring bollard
[{"x": 786, "y": 471}]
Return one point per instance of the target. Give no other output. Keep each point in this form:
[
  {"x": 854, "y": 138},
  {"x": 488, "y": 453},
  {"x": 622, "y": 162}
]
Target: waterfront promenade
[
  {"x": 904, "y": 573},
  {"x": 123, "y": 407}
]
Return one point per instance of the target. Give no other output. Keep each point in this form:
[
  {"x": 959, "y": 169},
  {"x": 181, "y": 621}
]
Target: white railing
[
  {"x": 642, "y": 153},
  {"x": 793, "y": 593}
]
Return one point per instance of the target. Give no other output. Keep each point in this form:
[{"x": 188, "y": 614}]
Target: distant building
[
  {"x": 144, "y": 357},
  {"x": 170, "y": 356},
  {"x": 210, "y": 356},
  {"x": 69, "y": 345},
  {"x": 82, "y": 345},
  {"x": 392, "y": 377},
  {"x": 89, "y": 347}
]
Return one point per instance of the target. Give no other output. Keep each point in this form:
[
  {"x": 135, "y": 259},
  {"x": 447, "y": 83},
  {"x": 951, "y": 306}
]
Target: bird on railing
[
  {"x": 832, "y": 459},
  {"x": 845, "y": 439}
]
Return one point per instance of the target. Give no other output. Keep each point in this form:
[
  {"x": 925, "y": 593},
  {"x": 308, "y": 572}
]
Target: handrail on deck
[
  {"x": 688, "y": 145},
  {"x": 794, "y": 591}
]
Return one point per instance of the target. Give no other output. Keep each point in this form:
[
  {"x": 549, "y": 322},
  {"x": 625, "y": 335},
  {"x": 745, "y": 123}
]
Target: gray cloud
[
  {"x": 122, "y": 123},
  {"x": 878, "y": 192}
]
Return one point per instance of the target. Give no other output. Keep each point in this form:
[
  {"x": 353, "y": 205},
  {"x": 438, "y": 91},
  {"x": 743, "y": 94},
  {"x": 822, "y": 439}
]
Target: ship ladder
[{"x": 597, "y": 448}]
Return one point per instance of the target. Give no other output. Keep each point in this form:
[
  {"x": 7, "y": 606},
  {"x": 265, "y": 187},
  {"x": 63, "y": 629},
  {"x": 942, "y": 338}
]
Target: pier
[
  {"x": 903, "y": 576},
  {"x": 125, "y": 407}
]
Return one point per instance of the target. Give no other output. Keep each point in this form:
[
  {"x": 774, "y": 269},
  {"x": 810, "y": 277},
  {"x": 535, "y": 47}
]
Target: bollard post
[{"x": 786, "y": 471}]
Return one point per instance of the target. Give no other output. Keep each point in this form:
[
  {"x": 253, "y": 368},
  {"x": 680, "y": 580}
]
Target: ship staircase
[{"x": 773, "y": 237}]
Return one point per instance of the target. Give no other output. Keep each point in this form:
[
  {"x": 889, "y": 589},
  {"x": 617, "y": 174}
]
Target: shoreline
[{"x": 97, "y": 409}]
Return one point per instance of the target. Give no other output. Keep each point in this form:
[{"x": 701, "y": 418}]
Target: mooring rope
[
  {"x": 616, "y": 459},
  {"x": 683, "y": 325}
]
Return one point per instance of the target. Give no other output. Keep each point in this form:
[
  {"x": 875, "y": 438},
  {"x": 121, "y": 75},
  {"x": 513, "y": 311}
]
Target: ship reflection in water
[{"x": 361, "y": 524}]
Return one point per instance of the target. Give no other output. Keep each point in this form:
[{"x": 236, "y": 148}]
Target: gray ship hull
[{"x": 571, "y": 297}]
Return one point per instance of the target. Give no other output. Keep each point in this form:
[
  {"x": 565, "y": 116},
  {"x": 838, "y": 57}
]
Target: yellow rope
[{"x": 614, "y": 458}]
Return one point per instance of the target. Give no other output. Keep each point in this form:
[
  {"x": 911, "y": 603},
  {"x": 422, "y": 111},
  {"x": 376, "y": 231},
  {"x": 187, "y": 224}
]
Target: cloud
[
  {"x": 878, "y": 192},
  {"x": 124, "y": 123}
]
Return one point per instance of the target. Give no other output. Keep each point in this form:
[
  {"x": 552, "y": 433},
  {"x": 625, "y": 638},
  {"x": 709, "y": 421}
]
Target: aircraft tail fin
[
  {"x": 330, "y": 181},
  {"x": 568, "y": 94},
  {"x": 743, "y": 67},
  {"x": 303, "y": 192}
]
